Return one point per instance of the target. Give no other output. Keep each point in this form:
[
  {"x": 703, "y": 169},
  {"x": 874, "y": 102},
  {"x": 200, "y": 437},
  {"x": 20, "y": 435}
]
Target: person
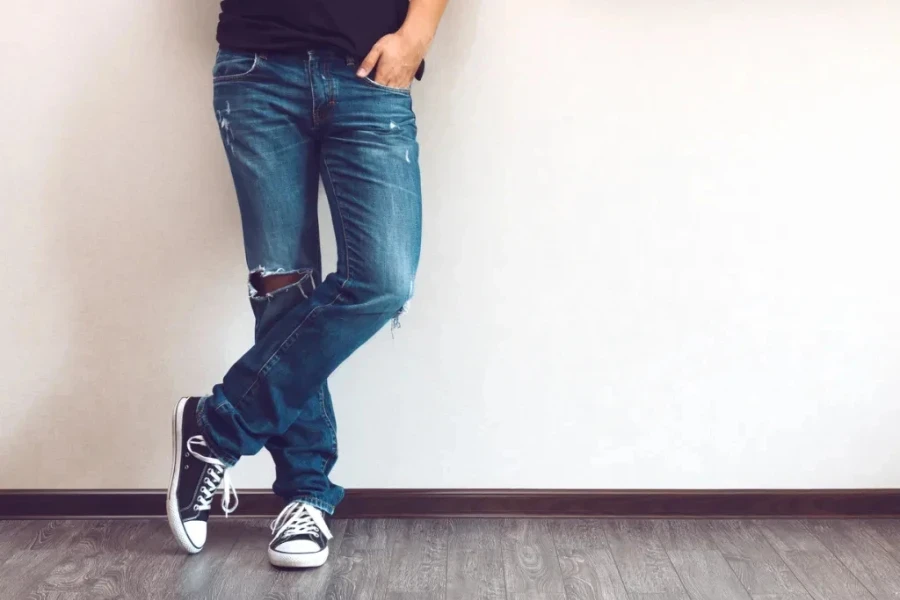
[{"x": 303, "y": 90}]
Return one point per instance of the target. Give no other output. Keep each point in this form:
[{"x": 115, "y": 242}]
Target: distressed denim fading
[{"x": 286, "y": 122}]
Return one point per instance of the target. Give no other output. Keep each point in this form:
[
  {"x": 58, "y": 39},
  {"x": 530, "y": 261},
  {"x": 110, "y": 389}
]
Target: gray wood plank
[
  {"x": 10, "y": 540},
  {"x": 642, "y": 561},
  {"x": 587, "y": 566},
  {"x": 303, "y": 584},
  {"x": 704, "y": 572},
  {"x": 93, "y": 555},
  {"x": 47, "y": 595},
  {"x": 51, "y": 534},
  {"x": 246, "y": 572},
  {"x": 359, "y": 576},
  {"x": 821, "y": 573},
  {"x": 363, "y": 534},
  {"x": 591, "y": 574},
  {"x": 684, "y": 534},
  {"x": 475, "y": 533},
  {"x": 887, "y": 532},
  {"x": 475, "y": 561},
  {"x": 706, "y": 576},
  {"x": 418, "y": 556},
  {"x": 535, "y": 596},
  {"x": 578, "y": 534},
  {"x": 858, "y": 548},
  {"x": 160, "y": 570},
  {"x": 529, "y": 557},
  {"x": 41, "y": 547},
  {"x": 25, "y": 570},
  {"x": 758, "y": 567},
  {"x": 788, "y": 596},
  {"x": 658, "y": 596}
]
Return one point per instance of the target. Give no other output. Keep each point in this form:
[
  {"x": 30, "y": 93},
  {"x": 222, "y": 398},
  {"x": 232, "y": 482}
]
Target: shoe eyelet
[
  {"x": 186, "y": 467},
  {"x": 196, "y": 507}
]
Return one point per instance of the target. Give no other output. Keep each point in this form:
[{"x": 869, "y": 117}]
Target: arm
[{"x": 399, "y": 55}]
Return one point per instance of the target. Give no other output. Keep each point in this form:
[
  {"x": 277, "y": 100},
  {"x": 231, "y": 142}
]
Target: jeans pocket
[
  {"x": 405, "y": 91},
  {"x": 231, "y": 65}
]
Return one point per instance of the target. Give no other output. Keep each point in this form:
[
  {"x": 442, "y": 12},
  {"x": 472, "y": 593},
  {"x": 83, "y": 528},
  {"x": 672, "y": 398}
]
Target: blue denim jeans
[{"x": 286, "y": 121}]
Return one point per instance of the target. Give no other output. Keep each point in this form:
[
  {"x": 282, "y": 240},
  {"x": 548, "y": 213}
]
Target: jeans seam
[
  {"x": 337, "y": 201},
  {"x": 203, "y": 423},
  {"x": 287, "y": 343},
  {"x": 324, "y": 411}
]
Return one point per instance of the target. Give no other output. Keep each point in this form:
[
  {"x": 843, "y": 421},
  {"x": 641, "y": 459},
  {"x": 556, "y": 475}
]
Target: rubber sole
[
  {"x": 172, "y": 512},
  {"x": 298, "y": 561}
]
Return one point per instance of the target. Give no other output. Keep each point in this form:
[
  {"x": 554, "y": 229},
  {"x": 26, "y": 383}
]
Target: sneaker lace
[
  {"x": 217, "y": 473},
  {"x": 298, "y": 518}
]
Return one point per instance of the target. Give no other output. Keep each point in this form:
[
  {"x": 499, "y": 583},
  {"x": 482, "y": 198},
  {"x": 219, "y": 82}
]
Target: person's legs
[
  {"x": 275, "y": 159},
  {"x": 369, "y": 164},
  {"x": 263, "y": 109}
]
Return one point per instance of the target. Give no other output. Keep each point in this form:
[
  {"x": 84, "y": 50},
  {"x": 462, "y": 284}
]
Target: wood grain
[
  {"x": 98, "y": 551},
  {"x": 591, "y": 574},
  {"x": 362, "y": 575},
  {"x": 642, "y": 561},
  {"x": 821, "y": 573},
  {"x": 704, "y": 572},
  {"x": 245, "y": 572},
  {"x": 475, "y": 561},
  {"x": 363, "y": 534},
  {"x": 529, "y": 557},
  {"x": 706, "y": 576},
  {"x": 758, "y": 567},
  {"x": 460, "y": 559},
  {"x": 418, "y": 556},
  {"x": 588, "y": 569},
  {"x": 860, "y": 551}
]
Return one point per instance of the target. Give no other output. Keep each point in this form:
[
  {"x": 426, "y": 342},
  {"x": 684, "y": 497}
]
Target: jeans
[{"x": 286, "y": 121}]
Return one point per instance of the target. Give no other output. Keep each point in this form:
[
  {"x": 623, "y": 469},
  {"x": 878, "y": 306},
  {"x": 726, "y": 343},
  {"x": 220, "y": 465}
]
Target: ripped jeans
[{"x": 286, "y": 121}]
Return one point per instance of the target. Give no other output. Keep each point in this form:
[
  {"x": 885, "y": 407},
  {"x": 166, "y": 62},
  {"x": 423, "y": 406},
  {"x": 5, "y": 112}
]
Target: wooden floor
[{"x": 463, "y": 560}]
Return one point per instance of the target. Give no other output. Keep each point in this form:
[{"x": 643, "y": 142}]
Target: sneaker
[
  {"x": 300, "y": 537},
  {"x": 196, "y": 476}
]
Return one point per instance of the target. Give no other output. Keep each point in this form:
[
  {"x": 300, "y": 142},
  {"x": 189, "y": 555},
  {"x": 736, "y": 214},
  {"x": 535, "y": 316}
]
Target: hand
[{"x": 397, "y": 56}]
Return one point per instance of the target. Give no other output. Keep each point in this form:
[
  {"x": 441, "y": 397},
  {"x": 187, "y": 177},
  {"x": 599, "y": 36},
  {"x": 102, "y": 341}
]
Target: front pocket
[
  {"x": 385, "y": 87},
  {"x": 234, "y": 65}
]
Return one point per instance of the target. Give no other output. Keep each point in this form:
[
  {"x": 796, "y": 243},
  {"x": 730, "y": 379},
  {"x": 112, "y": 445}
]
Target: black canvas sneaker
[
  {"x": 196, "y": 475},
  {"x": 300, "y": 537}
]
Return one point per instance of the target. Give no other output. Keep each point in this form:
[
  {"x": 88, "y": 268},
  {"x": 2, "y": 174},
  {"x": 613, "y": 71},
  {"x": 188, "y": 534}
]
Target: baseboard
[{"x": 405, "y": 503}]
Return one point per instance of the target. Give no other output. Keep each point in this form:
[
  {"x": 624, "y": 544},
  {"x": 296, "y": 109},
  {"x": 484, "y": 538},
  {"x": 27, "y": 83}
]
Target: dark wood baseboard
[{"x": 403, "y": 503}]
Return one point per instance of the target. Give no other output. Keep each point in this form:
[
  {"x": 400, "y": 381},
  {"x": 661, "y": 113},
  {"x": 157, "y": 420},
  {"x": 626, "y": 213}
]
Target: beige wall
[{"x": 660, "y": 251}]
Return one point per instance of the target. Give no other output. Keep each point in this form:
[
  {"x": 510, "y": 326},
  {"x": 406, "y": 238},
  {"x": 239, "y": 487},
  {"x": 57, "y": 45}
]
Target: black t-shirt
[{"x": 351, "y": 26}]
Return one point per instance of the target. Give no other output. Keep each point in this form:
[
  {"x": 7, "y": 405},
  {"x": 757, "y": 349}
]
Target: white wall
[{"x": 660, "y": 249}]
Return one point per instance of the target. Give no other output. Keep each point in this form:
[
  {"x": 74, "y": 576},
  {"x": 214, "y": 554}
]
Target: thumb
[{"x": 369, "y": 63}]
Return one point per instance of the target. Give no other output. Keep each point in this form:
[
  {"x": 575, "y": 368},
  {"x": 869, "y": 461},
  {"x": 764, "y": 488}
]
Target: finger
[{"x": 369, "y": 62}]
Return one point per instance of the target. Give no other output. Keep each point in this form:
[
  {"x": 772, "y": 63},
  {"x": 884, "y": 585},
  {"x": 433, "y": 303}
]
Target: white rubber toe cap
[
  {"x": 196, "y": 532},
  {"x": 298, "y": 547}
]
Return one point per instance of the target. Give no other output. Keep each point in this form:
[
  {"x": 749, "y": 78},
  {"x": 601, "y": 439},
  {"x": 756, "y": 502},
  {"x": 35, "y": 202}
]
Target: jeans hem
[
  {"x": 313, "y": 501},
  {"x": 203, "y": 423}
]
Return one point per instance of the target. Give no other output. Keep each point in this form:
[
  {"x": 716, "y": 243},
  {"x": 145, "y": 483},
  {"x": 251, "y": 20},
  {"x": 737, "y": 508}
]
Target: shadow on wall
[{"x": 141, "y": 226}]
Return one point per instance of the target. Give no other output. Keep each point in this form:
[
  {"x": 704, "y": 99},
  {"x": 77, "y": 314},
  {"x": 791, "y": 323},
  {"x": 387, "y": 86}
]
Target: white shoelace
[
  {"x": 219, "y": 474},
  {"x": 298, "y": 518}
]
